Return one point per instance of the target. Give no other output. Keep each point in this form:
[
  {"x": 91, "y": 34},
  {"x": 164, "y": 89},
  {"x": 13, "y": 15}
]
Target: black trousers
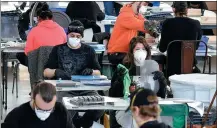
[
  {"x": 94, "y": 26},
  {"x": 116, "y": 58},
  {"x": 112, "y": 120},
  {"x": 22, "y": 58},
  {"x": 88, "y": 24}
]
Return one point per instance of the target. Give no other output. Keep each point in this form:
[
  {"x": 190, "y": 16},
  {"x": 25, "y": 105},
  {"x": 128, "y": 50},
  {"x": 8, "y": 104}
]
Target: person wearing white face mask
[
  {"x": 139, "y": 52},
  {"x": 129, "y": 22},
  {"x": 74, "y": 58},
  {"x": 41, "y": 112}
]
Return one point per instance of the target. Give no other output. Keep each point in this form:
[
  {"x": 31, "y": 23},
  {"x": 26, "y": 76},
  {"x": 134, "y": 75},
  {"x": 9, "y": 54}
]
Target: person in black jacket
[
  {"x": 41, "y": 112},
  {"x": 179, "y": 28},
  {"x": 74, "y": 58},
  {"x": 88, "y": 12}
]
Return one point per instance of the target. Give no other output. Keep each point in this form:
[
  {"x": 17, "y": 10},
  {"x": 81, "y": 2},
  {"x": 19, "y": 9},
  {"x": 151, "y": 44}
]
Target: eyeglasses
[{"x": 42, "y": 110}]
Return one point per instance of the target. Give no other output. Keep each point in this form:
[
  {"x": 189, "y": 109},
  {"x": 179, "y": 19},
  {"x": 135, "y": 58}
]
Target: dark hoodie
[
  {"x": 154, "y": 124},
  {"x": 88, "y": 10}
]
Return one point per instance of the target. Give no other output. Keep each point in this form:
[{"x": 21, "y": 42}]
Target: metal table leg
[
  {"x": 5, "y": 68},
  {"x": 1, "y": 105},
  {"x": 210, "y": 63},
  {"x": 3, "y": 79}
]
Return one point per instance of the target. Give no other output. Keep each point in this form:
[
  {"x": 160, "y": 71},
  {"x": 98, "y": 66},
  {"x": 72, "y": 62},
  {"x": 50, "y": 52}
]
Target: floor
[{"x": 23, "y": 90}]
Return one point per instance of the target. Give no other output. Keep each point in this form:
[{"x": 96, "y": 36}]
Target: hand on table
[
  {"x": 96, "y": 72},
  {"x": 49, "y": 73}
]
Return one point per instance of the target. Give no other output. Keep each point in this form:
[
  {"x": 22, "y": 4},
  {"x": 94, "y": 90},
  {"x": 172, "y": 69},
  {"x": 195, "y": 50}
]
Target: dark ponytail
[
  {"x": 44, "y": 12},
  {"x": 180, "y": 8}
]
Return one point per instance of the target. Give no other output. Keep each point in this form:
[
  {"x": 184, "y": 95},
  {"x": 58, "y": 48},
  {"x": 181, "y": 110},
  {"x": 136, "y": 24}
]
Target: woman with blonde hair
[{"x": 145, "y": 109}]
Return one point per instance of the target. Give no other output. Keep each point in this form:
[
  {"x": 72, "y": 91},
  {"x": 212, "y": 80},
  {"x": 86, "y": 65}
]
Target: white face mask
[
  {"x": 142, "y": 9},
  {"x": 35, "y": 19},
  {"x": 74, "y": 42},
  {"x": 139, "y": 57},
  {"x": 42, "y": 115}
]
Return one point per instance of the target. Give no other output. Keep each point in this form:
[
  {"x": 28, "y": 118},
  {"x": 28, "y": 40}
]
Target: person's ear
[
  {"x": 135, "y": 111},
  {"x": 32, "y": 96},
  {"x": 39, "y": 19},
  {"x": 174, "y": 10}
]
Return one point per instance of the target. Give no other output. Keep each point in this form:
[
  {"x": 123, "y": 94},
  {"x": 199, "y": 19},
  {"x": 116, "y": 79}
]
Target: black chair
[{"x": 181, "y": 57}]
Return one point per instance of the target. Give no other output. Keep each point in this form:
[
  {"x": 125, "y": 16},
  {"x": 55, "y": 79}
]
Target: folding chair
[{"x": 186, "y": 52}]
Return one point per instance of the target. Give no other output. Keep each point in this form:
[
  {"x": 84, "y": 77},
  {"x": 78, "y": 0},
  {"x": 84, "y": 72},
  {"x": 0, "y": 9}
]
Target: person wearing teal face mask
[{"x": 41, "y": 112}]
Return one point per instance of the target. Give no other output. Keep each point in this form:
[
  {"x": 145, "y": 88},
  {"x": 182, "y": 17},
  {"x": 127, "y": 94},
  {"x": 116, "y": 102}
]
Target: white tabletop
[
  {"x": 19, "y": 47},
  {"x": 12, "y": 49},
  {"x": 78, "y": 87},
  {"x": 121, "y": 104},
  {"x": 118, "y": 104}
]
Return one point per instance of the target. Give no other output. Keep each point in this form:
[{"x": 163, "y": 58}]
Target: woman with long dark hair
[{"x": 139, "y": 51}]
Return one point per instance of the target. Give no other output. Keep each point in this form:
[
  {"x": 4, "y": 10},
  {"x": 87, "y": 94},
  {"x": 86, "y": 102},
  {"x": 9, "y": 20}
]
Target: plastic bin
[{"x": 199, "y": 87}]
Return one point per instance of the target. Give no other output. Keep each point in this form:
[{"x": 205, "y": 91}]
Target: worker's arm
[
  {"x": 30, "y": 42},
  {"x": 94, "y": 66},
  {"x": 99, "y": 14},
  {"x": 52, "y": 69},
  {"x": 164, "y": 38},
  {"x": 130, "y": 21},
  {"x": 199, "y": 33},
  {"x": 95, "y": 63},
  {"x": 52, "y": 64}
]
